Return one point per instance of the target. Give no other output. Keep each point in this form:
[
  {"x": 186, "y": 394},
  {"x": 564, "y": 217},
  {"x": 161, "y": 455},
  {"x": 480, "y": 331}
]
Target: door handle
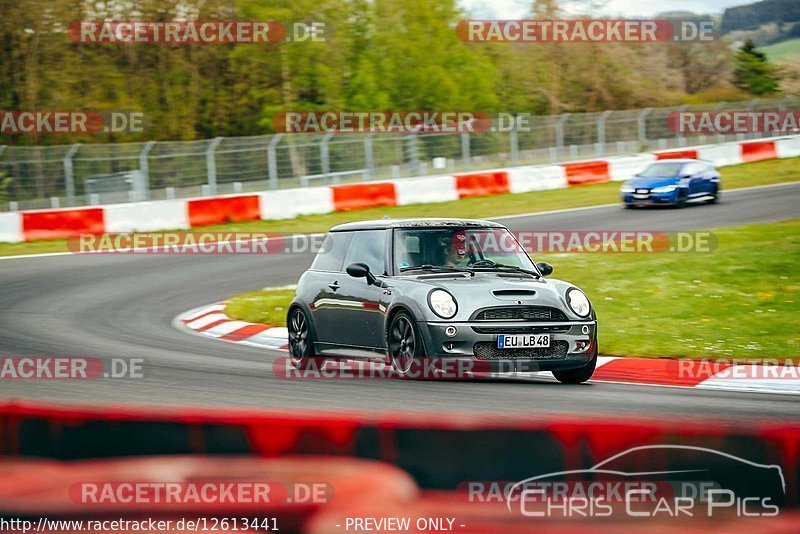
[{"x": 334, "y": 286}]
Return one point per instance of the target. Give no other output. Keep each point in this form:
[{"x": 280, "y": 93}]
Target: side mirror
[
  {"x": 361, "y": 270},
  {"x": 545, "y": 268}
]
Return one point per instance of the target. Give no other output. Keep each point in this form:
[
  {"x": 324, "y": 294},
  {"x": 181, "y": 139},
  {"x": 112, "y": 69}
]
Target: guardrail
[{"x": 34, "y": 175}]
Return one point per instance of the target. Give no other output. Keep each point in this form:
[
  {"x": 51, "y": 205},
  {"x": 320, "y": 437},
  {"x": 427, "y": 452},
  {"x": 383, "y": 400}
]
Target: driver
[{"x": 455, "y": 248}]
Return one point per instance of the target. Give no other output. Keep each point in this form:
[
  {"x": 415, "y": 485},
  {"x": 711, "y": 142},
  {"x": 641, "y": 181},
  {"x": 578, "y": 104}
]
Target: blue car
[{"x": 672, "y": 182}]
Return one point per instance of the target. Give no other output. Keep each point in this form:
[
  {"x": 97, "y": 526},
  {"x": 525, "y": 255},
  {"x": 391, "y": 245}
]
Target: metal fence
[{"x": 86, "y": 174}]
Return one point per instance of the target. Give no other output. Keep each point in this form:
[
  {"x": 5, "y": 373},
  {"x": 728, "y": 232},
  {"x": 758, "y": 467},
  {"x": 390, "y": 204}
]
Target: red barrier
[
  {"x": 758, "y": 151},
  {"x": 482, "y": 184},
  {"x": 360, "y": 196},
  {"x": 61, "y": 223},
  {"x": 688, "y": 153},
  {"x": 205, "y": 211},
  {"x": 562, "y": 442},
  {"x": 587, "y": 172}
]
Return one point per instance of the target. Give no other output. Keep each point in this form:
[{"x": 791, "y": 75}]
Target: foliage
[
  {"x": 377, "y": 54},
  {"x": 753, "y": 72}
]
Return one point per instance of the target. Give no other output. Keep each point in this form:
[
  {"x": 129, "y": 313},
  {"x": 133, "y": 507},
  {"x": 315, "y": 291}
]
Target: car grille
[
  {"x": 521, "y": 313},
  {"x": 487, "y": 350},
  {"x": 519, "y": 329}
]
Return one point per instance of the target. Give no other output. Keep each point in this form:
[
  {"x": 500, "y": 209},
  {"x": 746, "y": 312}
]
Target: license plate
[
  {"x": 636, "y": 195},
  {"x": 522, "y": 341}
]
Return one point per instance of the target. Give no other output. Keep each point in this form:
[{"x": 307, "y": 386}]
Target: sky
[{"x": 627, "y": 8}]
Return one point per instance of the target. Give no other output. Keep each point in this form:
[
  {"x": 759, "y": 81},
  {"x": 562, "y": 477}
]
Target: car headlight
[
  {"x": 665, "y": 189},
  {"x": 578, "y": 302},
  {"x": 442, "y": 303},
  {"x": 626, "y": 189}
]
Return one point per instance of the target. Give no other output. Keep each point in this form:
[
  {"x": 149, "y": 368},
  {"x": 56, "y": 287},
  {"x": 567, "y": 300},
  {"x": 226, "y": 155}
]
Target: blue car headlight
[
  {"x": 626, "y": 189},
  {"x": 665, "y": 189}
]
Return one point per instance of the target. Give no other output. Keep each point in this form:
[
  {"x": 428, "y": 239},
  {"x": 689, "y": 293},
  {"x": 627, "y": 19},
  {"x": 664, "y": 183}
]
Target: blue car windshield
[
  {"x": 661, "y": 170},
  {"x": 458, "y": 247}
]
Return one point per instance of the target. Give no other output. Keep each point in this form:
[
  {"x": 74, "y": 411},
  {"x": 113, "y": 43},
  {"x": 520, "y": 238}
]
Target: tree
[{"x": 753, "y": 72}]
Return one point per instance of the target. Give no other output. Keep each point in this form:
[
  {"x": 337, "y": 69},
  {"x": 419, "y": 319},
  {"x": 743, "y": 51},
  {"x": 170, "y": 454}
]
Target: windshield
[
  {"x": 458, "y": 247},
  {"x": 661, "y": 170}
]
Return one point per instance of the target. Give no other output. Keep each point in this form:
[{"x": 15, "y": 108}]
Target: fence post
[
  {"x": 750, "y": 106},
  {"x": 69, "y": 176},
  {"x": 211, "y": 165},
  {"x": 412, "y": 153},
  {"x": 325, "y": 158},
  {"x": 718, "y": 106},
  {"x": 513, "y": 140},
  {"x": 600, "y": 147},
  {"x": 368, "y": 157},
  {"x": 465, "y": 149},
  {"x": 679, "y": 135},
  {"x": 641, "y": 124},
  {"x": 144, "y": 168},
  {"x": 562, "y": 119},
  {"x": 272, "y": 160}
]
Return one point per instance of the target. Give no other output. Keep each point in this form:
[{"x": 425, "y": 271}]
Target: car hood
[
  {"x": 649, "y": 183},
  {"x": 493, "y": 289}
]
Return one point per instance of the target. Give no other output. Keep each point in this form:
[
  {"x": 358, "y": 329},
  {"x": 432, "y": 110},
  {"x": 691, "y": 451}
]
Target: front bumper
[
  {"x": 572, "y": 344},
  {"x": 650, "y": 199}
]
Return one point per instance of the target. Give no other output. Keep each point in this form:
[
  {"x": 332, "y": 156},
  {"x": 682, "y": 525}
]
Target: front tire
[
  {"x": 714, "y": 196},
  {"x": 579, "y": 375},
  {"x": 405, "y": 345},
  {"x": 301, "y": 340},
  {"x": 680, "y": 202}
]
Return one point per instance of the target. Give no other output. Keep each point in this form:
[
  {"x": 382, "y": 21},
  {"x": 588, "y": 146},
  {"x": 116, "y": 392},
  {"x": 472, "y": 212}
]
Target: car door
[
  {"x": 693, "y": 177},
  {"x": 357, "y": 310},
  {"x": 709, "y": 174},
  {"x": 321, "y": 282}
]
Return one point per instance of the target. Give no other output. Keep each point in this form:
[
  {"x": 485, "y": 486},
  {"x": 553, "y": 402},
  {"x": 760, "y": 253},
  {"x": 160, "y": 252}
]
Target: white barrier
[
  {"x": 622, "y": 168},
  {"x": 425, "y": 190},
  {"x": 536, "y": 178},
  {"x": 291, "y": 203},
  {"x": 788, "y": 148},
  {"x": 11, "y": 227},
  {"x": 721, "y": 155},
  {"x": 146, "y": 216}
]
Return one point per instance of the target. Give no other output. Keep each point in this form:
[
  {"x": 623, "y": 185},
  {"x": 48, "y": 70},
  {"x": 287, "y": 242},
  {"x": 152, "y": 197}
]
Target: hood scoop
[{"x": 513, "y": 294}]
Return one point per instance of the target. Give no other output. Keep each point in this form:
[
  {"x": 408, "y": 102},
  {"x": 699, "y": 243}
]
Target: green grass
[
  {"x": 267, "y": 306},
  {"x": 740, "y": 300},
  {"x": 783, "y": 51},
  {"x": 761, "y": 173}
]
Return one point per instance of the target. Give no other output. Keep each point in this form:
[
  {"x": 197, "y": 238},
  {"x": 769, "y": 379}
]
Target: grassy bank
[
  {"x": 741, "y": 300},
  {"x": 749, "y": 174}
]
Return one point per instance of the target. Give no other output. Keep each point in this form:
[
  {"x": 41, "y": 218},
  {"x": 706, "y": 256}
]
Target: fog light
[
  {"x": 581, "y": 345},
  {"x": 450, "y": 331},
  {"x": 585, "y": 330}
]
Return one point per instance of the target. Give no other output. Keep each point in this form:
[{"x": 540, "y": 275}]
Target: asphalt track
[{"x": 122, "y": 306}]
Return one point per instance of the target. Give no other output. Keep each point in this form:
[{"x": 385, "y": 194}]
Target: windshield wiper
[
  {"x": 488, "y": 264},
  {"x": 428, "y": 267}
]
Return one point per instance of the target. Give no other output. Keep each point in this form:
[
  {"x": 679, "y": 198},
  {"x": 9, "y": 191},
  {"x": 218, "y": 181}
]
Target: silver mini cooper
[{"x": 418, "y": 292}]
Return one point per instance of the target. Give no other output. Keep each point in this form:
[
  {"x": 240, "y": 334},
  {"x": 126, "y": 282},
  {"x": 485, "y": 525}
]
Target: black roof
[{"x": 383, "y": 224}]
